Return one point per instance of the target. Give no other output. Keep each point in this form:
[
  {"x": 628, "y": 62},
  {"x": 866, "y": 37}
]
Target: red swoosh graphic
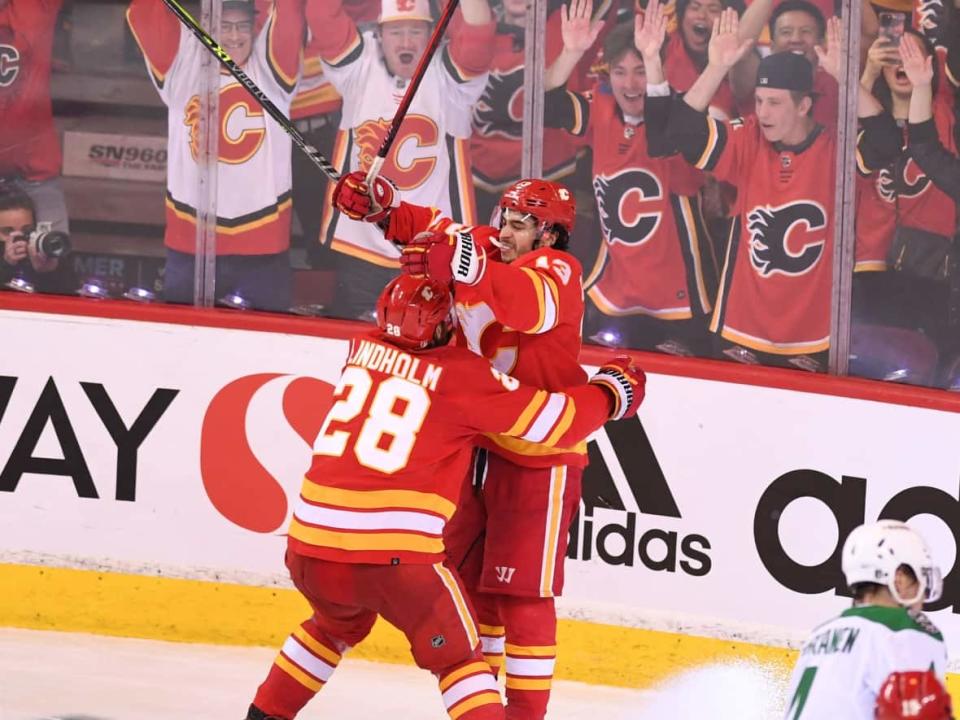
[{"x": 237, "y": 484}]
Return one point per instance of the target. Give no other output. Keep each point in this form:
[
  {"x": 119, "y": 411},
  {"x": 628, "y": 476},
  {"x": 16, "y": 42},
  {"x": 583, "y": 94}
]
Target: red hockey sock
[
  {"x": 305, "y": 663},
  {"x": 531, "y": 649},
  {"x": 491, "y": 629},
  {"x": 470, "y": 691}
]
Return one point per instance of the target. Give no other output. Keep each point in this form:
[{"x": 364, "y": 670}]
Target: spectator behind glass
[
  {"x": 652, "y": 283},
  {"x": 916, "y": 293},
  {"x": 315, "y": 112},
  {"x": 775, "y": 292},
  {"x": 795, "y": 26},
  {"x": 253, "y": 184},
  {"x": 496, "y": 144},
  {"x": 30, "y": 156},
  {"x": 429, "y": 160},
  {"x": 21, "y": 260},
  {"x": 685, "y": 56}
]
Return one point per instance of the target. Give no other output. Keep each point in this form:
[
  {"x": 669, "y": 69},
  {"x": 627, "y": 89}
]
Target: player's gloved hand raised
[
  {"x": 626, "y": 384},
  {"x": 354, "y": 198},
  {"x": 444, "y": 257}
]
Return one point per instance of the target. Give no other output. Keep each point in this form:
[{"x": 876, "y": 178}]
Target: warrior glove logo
[{"x": 774, "y": 231}]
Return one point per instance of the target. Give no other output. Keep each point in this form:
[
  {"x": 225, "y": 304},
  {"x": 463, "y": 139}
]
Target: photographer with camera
[{"x": 31, "y": 251}]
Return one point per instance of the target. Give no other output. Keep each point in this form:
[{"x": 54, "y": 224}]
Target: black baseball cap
[{"x": 786, "y": 71}]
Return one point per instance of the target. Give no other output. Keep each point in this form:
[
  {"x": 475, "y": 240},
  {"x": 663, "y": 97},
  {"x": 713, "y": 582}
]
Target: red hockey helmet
[
  {"x": 914, "y": 695},
  {"x": 549, "y": 202},
  {"x": 410, "y": 309}
]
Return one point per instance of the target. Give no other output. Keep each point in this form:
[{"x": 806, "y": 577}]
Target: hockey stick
[
  {"x": 272, "y": 110},
  {"x": 415, "y": 81}
]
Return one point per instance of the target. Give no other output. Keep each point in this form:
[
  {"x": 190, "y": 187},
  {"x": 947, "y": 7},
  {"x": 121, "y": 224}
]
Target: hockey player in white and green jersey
[{"x": 845, "y": 661}]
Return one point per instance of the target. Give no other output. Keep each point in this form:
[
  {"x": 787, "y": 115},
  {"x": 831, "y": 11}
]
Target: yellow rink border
[{"x": 159, "y": 608}]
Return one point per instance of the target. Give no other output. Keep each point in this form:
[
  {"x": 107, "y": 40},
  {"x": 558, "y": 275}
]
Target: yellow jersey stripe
[
  {"x": 399, "y": 541},
  {"x": 523, "y": 422},
  {"x": 566, "y": 420},
  {"x": 377, "y": 499},
  {"x": 712, "y": 138},
  {"x": 541, "y": 308}
]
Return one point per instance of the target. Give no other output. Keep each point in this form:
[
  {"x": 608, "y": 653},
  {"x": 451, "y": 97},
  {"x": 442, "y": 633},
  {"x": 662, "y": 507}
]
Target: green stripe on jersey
[{"x": 895, "y": 618}]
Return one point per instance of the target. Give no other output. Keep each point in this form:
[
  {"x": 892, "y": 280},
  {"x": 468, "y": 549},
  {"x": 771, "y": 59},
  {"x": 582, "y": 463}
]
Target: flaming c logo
[
  {"x": 242, "y": 130},
  {"x": 237, "y": 483},
  {"x": 413, "y": 156},
  {"x": 369, "y": 137}
]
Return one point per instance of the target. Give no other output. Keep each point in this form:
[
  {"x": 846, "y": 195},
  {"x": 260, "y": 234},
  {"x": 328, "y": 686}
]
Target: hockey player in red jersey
[
  {"x": 367, "y": 532},
  {"x": 519, "y": 301}
]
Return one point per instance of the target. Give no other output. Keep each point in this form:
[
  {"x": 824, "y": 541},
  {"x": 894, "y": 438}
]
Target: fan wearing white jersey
[
  {"x": 253, "y": 203},
  {"x": 844, "y": 663},
  {"x": 429, "y": 159}
]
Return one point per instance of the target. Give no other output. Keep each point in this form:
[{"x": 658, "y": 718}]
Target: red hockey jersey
[
  {"x": 392, "y": 453},
  {"x": 525, "y": 317},
  {"x": 876, "y": 221},
  {"x": 650, "y": 261},
  {"x": 920, "y": 203},
  {"x": 495, "y": 146},
  {"x": 29, "y": 145},
  {"x": 776, "y": 283}
]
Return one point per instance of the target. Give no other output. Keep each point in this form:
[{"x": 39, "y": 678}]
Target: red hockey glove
[
  {"x": 353, "y": 198},
  {"x": 444, "y": 258},
  {"x": 626, "y": 384}
]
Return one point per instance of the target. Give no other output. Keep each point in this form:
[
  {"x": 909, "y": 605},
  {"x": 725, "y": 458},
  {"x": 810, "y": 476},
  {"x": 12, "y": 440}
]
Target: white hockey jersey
[
  {"x": 846, "y": 660},
  {"x": 429, "y": 160},
  {"x": 254, "y": 174}
]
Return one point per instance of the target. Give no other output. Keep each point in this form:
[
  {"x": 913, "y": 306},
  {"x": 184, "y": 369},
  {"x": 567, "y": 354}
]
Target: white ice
[{"x": 48, "y": 675}]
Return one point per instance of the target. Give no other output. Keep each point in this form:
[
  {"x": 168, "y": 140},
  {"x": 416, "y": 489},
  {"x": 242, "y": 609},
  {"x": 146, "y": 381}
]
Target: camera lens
[{"x": 54, "y": 244}]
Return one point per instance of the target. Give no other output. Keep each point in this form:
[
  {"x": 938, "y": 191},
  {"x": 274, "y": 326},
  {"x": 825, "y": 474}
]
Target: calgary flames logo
[
  {"x": 191, "y": 118},
  {"x": 369, "y": 137},
  {"x": 413, "y": 156},
  {"x": 242, "y": 128}
]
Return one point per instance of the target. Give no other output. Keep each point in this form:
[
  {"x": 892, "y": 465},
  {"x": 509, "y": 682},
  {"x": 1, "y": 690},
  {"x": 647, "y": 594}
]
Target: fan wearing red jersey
[
  {"x": 774, "y": 298},
  {"x": 913, "y": 695},
  {"x": 30, "y": 156},
  {"x": 519, "y": 302},
  {"x": 654, "y": 277},
  {"x": 367, "y": 534}
]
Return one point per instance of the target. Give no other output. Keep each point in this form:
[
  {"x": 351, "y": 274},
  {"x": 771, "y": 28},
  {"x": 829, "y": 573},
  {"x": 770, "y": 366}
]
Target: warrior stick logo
[{"x": 624, "y": 488}]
